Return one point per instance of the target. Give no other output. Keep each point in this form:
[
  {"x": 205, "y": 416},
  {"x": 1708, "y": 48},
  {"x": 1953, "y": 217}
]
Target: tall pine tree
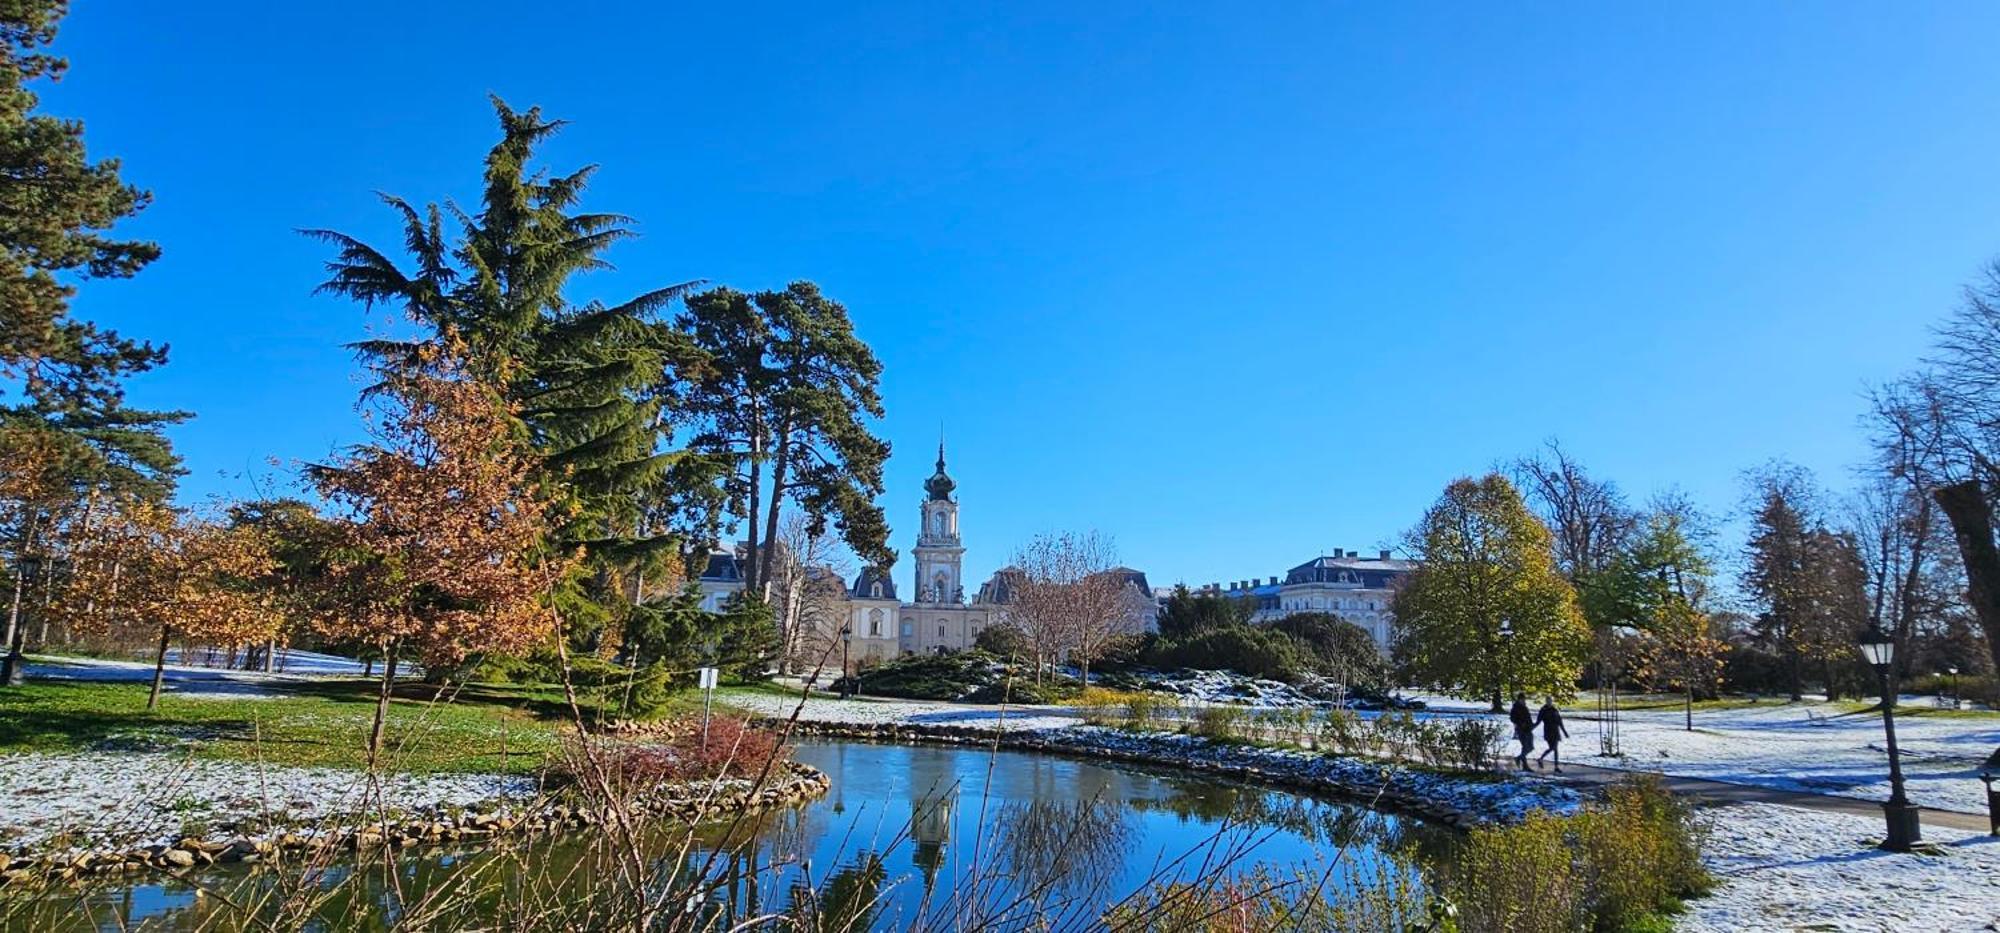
[
  {"x": 591, "y": 382},
  {"x": 62, "y": 402}
]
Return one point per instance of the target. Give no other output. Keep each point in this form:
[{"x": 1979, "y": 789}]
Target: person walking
[
  {"x": 1524, "y": 729},
  {"x": 1553, "y": 732}
]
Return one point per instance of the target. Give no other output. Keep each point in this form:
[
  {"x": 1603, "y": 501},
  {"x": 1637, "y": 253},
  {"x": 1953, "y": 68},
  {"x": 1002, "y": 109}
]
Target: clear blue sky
[{"x": 1233, "y": 287}]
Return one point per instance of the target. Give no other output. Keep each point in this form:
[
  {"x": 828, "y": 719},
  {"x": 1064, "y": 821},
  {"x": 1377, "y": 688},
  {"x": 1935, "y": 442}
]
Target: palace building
[
  {"x": 1344, "y": 583},
  {"x": 937, "y": 617}
]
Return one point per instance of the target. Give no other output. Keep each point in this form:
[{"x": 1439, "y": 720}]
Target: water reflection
[{"x": 911, "y": 838}]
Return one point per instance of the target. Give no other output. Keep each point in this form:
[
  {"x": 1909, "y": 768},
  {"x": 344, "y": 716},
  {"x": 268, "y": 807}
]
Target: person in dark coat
[
  {"x": 1524, "y": 729},
  {"x": 1553, "y": 732}
]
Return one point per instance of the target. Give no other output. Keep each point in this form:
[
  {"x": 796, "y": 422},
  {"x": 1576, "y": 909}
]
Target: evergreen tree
[
  {"x": 1188, "y": 614},
  {"x": 785, "y": 406},
  {"x": 66, "y": 435},
  {"x": 1810, "y": 581},
  {"x": 1486, "y": 560},
  {"x": 55, "y": 208},
  {"x": 590, "y": 383}
]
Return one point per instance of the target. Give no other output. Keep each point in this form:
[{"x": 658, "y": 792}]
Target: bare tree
[
  {"x": 1589, "y": 517},
  {"x": 808, "y": 594},
  {"x": 1070, "y": 601}
]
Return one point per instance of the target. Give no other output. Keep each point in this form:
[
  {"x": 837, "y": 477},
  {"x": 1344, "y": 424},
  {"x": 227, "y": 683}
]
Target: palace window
[
  {"x": 940, "y": 628},
  {"x": 875, "y": 591},
  {"x": 875, "y": 623},
  {"x": 909, "y": 629}
]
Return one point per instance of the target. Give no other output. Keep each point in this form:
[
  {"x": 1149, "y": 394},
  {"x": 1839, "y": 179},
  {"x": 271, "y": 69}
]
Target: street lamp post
[
  {"x": 1506, "y": 646},
  {"x": 1952, "y": 685},
  {"x": 1904, "y": 828},
  {"x": 846, "y": 649}
]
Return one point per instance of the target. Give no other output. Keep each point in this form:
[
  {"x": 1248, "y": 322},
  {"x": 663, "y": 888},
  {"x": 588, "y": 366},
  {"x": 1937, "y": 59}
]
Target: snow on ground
[
  {"x": 868, "y": 711},
  {"x": 118, "y": 799},
  {"x": 1783, "y": 868},
  {"x": 1830, "y": 751}
]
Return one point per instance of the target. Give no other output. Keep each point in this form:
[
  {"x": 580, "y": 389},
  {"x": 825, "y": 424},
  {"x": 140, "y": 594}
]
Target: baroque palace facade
[
  {"x": 1344, "y": 583},
  {"x": 938, "y": 617}
]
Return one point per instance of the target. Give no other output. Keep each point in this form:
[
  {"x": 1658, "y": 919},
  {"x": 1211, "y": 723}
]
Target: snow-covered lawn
[
  {"x": 1830, "y": 751},
  {"x": 115, "y": 799},
  {"x": 1783, "y": 868}
]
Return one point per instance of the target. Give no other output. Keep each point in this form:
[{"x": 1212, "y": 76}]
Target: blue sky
[{"x": 1235, "y": 284}]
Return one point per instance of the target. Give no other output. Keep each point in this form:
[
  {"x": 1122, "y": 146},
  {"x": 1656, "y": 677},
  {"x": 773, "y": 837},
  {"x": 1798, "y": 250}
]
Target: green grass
[{"x": 478, "y": 728}]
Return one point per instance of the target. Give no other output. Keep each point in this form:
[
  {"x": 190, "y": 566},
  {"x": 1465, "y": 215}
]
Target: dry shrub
[
  {"x": 732, "y": 748},
  {"x": 1380, "y": 894}
]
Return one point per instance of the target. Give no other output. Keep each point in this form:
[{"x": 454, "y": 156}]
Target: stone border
[
  {"x": 1354, "y": 780},
  {"x": 546, "y": 815}
]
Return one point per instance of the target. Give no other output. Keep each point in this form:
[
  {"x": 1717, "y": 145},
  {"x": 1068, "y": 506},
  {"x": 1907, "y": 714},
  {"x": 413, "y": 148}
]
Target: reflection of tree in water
[
  {"x": 1325, "y": 824},
  {"x": 848, "y": 901},
  {"x": 1066, "y": 845}
]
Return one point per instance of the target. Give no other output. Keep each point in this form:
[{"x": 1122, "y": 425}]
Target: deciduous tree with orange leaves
[
  {"x": 144, "y": 565},
  {"x": 441, "y": 551}
]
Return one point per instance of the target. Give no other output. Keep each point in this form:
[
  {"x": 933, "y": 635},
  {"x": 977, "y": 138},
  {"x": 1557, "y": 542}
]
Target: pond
[{"x": 910, "y": 837}]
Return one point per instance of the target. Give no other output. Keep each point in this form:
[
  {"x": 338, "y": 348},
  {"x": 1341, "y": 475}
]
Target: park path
[{"x": 1722, "y": 792}]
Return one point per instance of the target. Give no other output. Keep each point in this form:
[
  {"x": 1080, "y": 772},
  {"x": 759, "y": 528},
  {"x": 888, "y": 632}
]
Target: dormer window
[{"x": 875, "y": 591}]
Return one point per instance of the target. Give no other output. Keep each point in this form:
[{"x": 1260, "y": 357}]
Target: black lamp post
[
  {"x": 1952, "y": 685},
  {"x": 846, "y": 673},
  {"x": 1506, "y": 648},
  {"x": 1904, "y": 828}
]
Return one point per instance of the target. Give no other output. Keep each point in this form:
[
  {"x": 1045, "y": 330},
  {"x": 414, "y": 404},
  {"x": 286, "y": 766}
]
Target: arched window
[
  {"x": 909, "y": 629},
  {"x": 875, "y": 623},
  {"x": 940, "y": 628},
  {"x": 875, "y": 591}
]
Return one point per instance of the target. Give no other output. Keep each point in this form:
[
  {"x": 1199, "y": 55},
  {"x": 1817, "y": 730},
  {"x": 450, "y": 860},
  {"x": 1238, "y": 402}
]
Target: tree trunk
[
  {"x": 382, "y": 704},
  {"x": 159, "y": 668},
  {"x": 756, "y": 499},
  {"x": 10, "y": 666},
  {"x": 1795, "y": 670},
  {"x": 1971, "y": 518},
  {"x": 1906, "y": 603},
  {"x": 270, "y": 655},
  {"x": 1689, "y": 706},
  {"x": 779, "y": 468}
]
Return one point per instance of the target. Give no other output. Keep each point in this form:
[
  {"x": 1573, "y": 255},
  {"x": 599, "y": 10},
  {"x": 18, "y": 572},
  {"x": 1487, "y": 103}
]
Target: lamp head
[{"x": 1878, "y": 648}]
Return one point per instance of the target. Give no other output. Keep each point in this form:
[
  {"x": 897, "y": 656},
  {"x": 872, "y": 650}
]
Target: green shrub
[
  {"x": 1219, "y": 723},
  {"x": 933, "y": 676},
  {"x": 1618, "y": 865},
  {"x": 1470, "y": 742},
  {"x": 1345, "y": 732},
  {"x": 1639, "y": 853},
  {"x": 1982, "y": 689},
  {"x": 1516, "y": 879},
  {"x": 1023, "y": 691}
]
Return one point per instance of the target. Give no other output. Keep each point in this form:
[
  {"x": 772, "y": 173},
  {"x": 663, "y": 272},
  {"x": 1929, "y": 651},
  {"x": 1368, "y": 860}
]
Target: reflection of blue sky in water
[
  {"x": 929, "y": 837},
  {"x": 1057, "y": 829}
]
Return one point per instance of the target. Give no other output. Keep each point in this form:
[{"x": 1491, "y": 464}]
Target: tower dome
[{"x": 940, "y": 485}]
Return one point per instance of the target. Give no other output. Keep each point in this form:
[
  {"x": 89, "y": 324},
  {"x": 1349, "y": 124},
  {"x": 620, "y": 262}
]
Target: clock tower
[{"x": 938, "y": 552}]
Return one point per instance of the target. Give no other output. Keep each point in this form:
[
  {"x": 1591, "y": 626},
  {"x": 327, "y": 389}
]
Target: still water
[{"x": 910, "y": 837}]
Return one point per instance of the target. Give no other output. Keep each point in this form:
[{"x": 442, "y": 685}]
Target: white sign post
[{"x": 707, "y": 684}]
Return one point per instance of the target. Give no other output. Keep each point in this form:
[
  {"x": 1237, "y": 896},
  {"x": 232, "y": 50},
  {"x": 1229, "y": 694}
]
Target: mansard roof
[
  {"x": 1349, "y": 567},
  {"x": 999, "y": 589},
  {"x": 723, "y": 567},
  {"x": 864, "y": 584},
  {"x": 1134, "y": 577}
]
